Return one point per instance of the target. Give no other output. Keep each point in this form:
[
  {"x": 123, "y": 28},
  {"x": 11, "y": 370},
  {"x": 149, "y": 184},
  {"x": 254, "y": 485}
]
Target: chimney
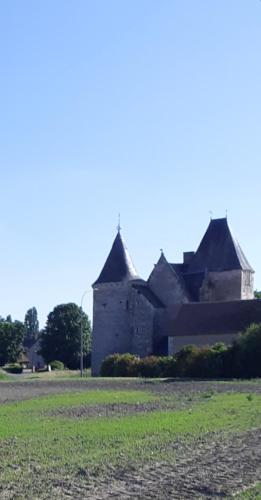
[{"x": 187, "y": 257}]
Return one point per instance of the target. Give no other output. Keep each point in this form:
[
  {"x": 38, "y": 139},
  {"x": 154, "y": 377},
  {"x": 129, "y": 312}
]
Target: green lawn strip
[
  {"x": 253, "y": 493},
  {"x": 33, "y": 442},
  {"x": 69, "y": 399}
]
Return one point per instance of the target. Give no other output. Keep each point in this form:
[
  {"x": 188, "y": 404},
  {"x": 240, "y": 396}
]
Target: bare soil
[
  {"x": 21, "y": 389},
  {"x": 214, "y": 466}
]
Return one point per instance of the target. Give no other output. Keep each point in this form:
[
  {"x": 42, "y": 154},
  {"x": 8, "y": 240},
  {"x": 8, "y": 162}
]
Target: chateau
[{"x": 205, "y": 299}]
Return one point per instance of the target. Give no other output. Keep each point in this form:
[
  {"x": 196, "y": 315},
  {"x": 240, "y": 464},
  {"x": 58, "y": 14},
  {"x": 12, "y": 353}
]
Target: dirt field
[
  {"x": 27, "y": 389},
  {"x": 214, "y": 468},
  {"x": 217, "y": 465}
]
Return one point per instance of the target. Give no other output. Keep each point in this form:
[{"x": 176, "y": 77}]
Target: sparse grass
[
  {"x": 4, "y": 376},
  {"x": 253, "y": 493},
  {"x": 32, "y": 441},
  {"x": 36, "y": 407}
]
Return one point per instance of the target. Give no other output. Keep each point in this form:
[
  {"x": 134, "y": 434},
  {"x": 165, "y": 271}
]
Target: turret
[
  {"x": 111, "y": 325},
  {"x": 226, "y": 272}
]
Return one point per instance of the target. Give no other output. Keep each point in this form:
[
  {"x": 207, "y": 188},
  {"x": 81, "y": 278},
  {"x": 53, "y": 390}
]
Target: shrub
[
  {"x": 168, "y": 366},
  {"x": 13, "y": 368},
  {"x": 56, "y": 365},
  {"x": 185, "y": 359},
  {"x": 150, "y": 367},
  {"x": 245, "y": 353},
  {"x": 120, "y": 365},
  {"x": 128, "y": 365},
  {"x": 242, "y": 359}
]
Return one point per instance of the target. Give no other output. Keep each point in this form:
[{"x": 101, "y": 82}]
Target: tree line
[{"x": 60, "y": 339}]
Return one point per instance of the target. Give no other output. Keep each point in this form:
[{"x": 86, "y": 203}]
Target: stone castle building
[{"x": 206, "y": 298}]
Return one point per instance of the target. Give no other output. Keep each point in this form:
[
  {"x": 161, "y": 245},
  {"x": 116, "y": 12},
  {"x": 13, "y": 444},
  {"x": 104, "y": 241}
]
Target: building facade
[{"x": 144, "y": 317}]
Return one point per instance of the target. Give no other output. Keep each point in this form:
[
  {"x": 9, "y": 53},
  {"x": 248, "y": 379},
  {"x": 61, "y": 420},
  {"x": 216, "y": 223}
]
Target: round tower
[{"x": 111, "y": 322}]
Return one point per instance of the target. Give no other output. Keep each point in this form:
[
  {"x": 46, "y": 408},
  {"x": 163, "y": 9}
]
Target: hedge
[{"x": 240, "y": 360}]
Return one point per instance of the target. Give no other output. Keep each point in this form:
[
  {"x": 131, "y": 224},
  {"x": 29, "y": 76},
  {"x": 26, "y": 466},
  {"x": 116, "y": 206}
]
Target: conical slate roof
[
  {"x": 118, "y": 266},
  {"x": 218, "y": 250}
]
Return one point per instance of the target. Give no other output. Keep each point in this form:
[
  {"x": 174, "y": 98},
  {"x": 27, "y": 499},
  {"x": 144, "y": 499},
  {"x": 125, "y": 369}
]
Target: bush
[
  {"x": 120, "y": 365},
  {"x": 128, "y": 365},
  {"x": 152, "y": 366},
  {"x": 185, "y": 359},
  {"x": 13, "y": 368},
  {"x": 242, "y": 359},
  {"x": 56, "y": 365},
  {"x": 245, "y": 354}
]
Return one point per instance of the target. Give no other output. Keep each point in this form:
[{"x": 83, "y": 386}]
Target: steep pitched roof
[
  {"x": 218, "y": 250},
  {"x": 213, "y": 318},
  {"x": 118, "y": 266}
]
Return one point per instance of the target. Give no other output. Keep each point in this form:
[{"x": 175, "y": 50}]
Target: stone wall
[
  {"x": 165, "y": 283},
  {"x": 111, "y": 325},
  {"x": 247, "y": 283},
  {"x": 222, "y": 286},
  {"x": 142, "y": 324}
]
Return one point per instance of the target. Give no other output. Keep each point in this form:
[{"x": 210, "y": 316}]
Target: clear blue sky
[{"x": 147, "y": 107}]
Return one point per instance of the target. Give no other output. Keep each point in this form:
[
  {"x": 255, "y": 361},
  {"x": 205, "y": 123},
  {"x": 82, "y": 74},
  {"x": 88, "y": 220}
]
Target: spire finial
[
  {"x": 226, "y": 213},
  {"x": 211, "y": 214},
  {"x": 119, "y": 223}
]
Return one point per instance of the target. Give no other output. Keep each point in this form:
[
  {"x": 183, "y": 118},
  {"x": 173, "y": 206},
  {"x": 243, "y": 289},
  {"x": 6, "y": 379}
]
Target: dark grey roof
[
  {"x": 218, "y": 250},
  {"x": 118, "y": 266},
  {"x": 149, "y": 295},
  {"x": 213, "y": 318},
  {"x": 180, "y": 268}
]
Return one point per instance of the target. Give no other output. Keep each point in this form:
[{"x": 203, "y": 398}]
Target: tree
[
  {"x": 257, "y": 294},
  {"x": 31, "y": 324},
  {"x": 246, "y": 353},
  {"x": 11, "y": 338},
  {"x": 61, "y": 339}
]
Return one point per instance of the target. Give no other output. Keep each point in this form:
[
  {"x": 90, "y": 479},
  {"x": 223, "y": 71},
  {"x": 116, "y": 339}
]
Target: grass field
[
  {"x": 250, "y": 493},
  {"x": 55, "y": 445}
]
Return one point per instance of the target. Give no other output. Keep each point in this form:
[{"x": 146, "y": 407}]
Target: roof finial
[
  {"x": 119, "y": 223},
  {"x": 226, "y": 213},
  {"x": 211, "y": 214},
  {"x": 161, "y": 250}
]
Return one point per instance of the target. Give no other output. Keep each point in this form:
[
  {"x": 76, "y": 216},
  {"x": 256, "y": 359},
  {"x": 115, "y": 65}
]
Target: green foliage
[
  {"x": 4, "y": 376},
  {"x": 11, "y": 338},
  {"x": 128, "y": 365},
  {"x": 56, "y": 365},
  {"x": 120, "y": 365},
  {"x": 13, "y": 368},
  {"x": 61, "y": 336},
  {"x": 252, "y": 493},
  {"x": 245, "y": 354},
  {"x": 201, "y": 362},
  {"x": 150, "y": 367},
  {"x": 257, "y": 294},
  {"x": 31, "y": 324},
  {"x": 241, "y": 360}
]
